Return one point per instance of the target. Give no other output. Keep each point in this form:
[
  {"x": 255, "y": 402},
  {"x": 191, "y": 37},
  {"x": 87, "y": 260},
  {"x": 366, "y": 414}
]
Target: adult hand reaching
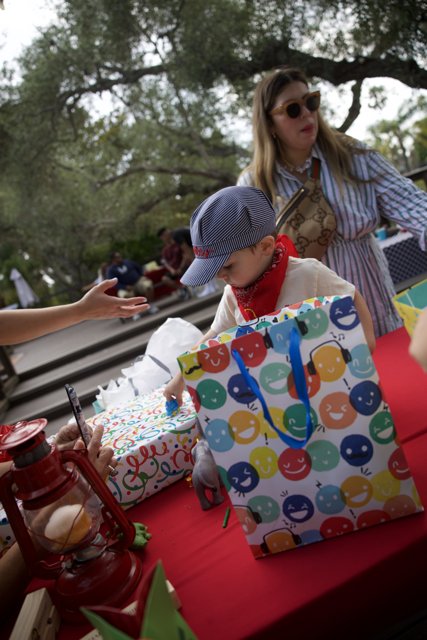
[
  {"x": 20, "y": 325},
  {"x": 95, "y": 304}
]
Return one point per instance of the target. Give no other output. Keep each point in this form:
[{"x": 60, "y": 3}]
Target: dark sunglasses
[{"x": 293, "y": 108}]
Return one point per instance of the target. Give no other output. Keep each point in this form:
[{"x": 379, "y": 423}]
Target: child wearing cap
[{"x": 234, "y": 238}]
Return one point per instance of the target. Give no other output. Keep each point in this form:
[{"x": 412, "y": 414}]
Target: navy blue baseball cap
[{"x": 231, "y": 219}]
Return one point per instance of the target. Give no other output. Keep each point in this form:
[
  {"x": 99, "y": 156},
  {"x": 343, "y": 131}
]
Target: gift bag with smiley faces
[{"x": 300, "y": 431}]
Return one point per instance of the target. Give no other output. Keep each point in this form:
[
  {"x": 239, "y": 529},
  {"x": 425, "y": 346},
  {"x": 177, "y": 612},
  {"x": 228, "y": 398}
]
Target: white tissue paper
[{"x": 155, "y": 368}]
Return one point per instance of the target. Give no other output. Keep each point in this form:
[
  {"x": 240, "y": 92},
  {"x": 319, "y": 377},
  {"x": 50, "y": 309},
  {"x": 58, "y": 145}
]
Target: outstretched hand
[{"x": 96, "y": 304}]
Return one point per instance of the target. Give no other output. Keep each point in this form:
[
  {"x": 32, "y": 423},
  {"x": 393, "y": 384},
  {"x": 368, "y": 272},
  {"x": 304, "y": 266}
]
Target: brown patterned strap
[{"x": 315, "y": 168}]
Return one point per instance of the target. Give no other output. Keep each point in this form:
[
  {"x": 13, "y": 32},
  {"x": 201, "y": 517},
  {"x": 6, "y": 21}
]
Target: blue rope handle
[
  {"x": 299, "y": 378},
  {"x": 300, "y": 385}
]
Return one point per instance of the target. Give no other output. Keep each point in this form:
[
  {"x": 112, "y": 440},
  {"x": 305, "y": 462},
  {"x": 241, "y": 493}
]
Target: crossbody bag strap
[
  {"x": 296, "y": 199},
  {"x": 315, "y": 168}
]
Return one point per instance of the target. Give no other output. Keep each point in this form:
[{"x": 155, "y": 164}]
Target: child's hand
[{"x": 174, "y": 389}]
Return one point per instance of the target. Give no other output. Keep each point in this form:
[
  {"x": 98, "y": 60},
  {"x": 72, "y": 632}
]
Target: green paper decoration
[{"x": 156, "y": 617}]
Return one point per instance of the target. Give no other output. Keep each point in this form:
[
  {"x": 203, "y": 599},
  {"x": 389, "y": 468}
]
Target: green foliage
[
  {"x": 121, "y": 118},
  {"x": 403, "y": 140}
]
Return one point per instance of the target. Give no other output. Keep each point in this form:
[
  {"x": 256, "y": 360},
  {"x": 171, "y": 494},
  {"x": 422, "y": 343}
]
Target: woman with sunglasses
[{"x": 358, "y": 183}]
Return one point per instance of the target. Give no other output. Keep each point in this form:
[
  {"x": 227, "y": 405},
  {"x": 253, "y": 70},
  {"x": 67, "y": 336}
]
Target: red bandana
[{"x": 260, "y": 297}]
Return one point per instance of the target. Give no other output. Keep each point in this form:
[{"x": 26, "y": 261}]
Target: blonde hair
[{"x": 337, "y": 147}]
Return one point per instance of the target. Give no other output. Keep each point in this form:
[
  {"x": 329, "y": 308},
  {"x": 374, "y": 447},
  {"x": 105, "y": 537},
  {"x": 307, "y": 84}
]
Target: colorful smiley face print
[
  {"x": 264, "y": 460},
  {"x": 214, "y": 359},
  {"x": 416, "y": 498},
  {"x": 190, "y": 366},
  {"x": 194, "y": 398},
  {"x": 279, "y": 336},
  {"x": 328, "y": 362},
  {"x": 312, "y": 383},
  {"x": 273, "y": 377},
  {"x": 324, "y": 455},
  {"x": 343, "y": 314},
  {"x": 223, "y": 476},
  {"x": 244, "y": 426},
  {"x": 310, "y": 536},
  {"x": 244, "y": 330},
  {"x": 267, "y": 508},
  {"x": 371, "y": 518},
  {"x": 385, "y": 486},
  {"x": 330, "y": 500},
  {"x": 277, "y": 541},
  {"x": 239, "y": 389},
  {"x": 366, "y": 397},
  {"x": 361, "y": 364},
  {"x": 315, "y": 324},
  {"x": 336, "y": 526},
  {"x": 298, "y": 508},
  {"x": 295, "y": 420},
  {"x": 400, "y": 506},
  {"x": 251, "y": 348},
  {"x": 247, "y": 518},
  {"x": 263, "y": 324},
  {"x": 294, "y": 464},
  {"x": 381, "y": 428},
  {"x": 357, "y": 491},
  {"x": 357, "y": 450},
  {"x": 218, "y": 434},
  {"x": 277, "y": 416},
  {"x": 243, "y": 477},
  {"x": 212, "y": 394},
  {"x": 336, "y": 412},
  {"x": 398, "y": 466}
]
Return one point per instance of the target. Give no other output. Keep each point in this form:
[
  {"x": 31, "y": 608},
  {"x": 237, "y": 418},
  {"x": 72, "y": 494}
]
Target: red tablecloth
[
  {"x": 326, "y": 590},
  {"x": 404, "y": 384}
]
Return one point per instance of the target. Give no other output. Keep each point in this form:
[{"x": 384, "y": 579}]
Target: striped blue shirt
[{"x": 354, "y": 253}]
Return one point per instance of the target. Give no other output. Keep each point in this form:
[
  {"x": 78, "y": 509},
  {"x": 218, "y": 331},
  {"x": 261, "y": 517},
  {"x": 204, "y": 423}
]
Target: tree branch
[
  {"x": 219, "y": 176},
  {"x": 276, "y": 52},
  {"x": 354, "y": 110}
]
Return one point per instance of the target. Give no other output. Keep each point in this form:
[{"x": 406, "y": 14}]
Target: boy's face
[{"x": 245, "y": 266}]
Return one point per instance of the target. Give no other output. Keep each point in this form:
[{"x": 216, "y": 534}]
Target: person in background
[
  {"x": 131, "y": 280},
  {"x": 182, "y": 237},
  {"x": 102, "y": 275},
  {"x": 358, "y": 183},
  {"x": 20, "y": 325},
  {"x": 234, "y": 238},
  {"x": 175, "y": 258}
]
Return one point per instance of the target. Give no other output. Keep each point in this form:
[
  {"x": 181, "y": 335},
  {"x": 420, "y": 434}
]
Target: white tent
[{"x": 27, "y": 297}]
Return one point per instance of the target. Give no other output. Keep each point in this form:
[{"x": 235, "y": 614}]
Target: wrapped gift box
[
  {"x": 410, "y": 303},
  {"x": 153, "y": 449}
]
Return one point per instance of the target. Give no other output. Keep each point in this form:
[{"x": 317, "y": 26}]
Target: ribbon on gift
[{"x": 300, "y": 386}]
